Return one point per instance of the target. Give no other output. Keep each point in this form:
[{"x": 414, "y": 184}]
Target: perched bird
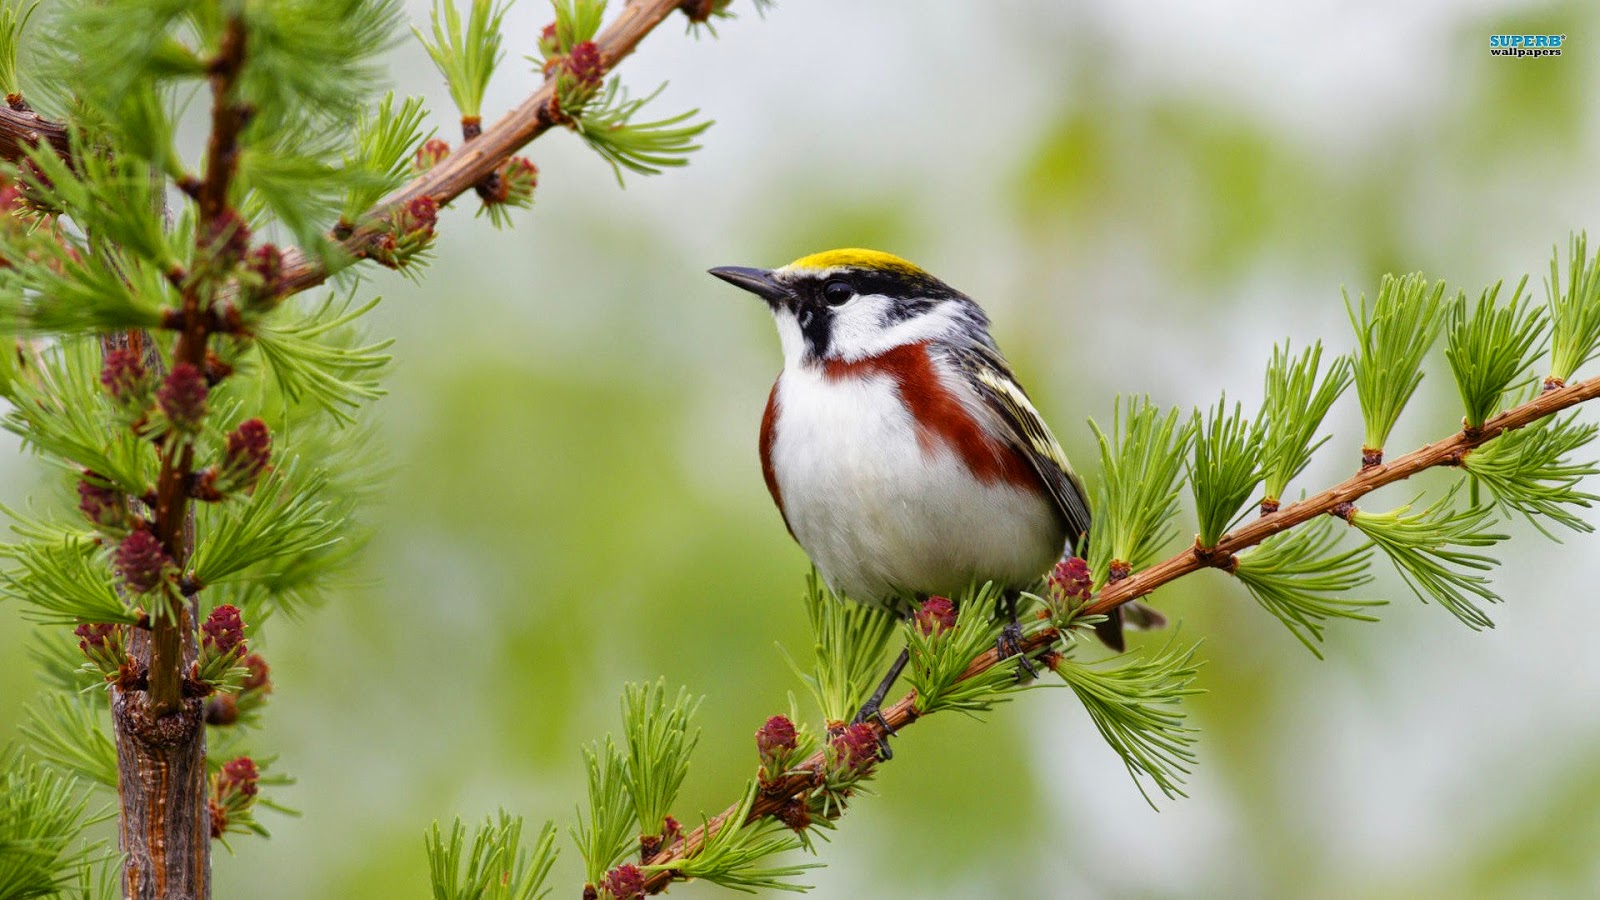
[{"x": 899, "y": 448}]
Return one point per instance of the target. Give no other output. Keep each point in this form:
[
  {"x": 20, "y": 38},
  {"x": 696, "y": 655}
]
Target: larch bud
[
  {"x": 432, "y": 152},
  {"x": 223, "y": 630},
  {"x": 183, "y": 397},
  {"x": 249, "y": 451},
  {"x": 104, "y": 506},
  {"x": 776, "y": 735},
  {"x": 142, "y": 561},
  {"x": 935, "y": 615},
  {"x": 625, "y": 882}
]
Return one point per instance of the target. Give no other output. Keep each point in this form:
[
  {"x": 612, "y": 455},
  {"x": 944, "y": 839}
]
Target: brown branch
[
  {"x": 23, "y": 129},
  {"x": 1448, "y": 452},
  {"x": 481, "y": 156}
]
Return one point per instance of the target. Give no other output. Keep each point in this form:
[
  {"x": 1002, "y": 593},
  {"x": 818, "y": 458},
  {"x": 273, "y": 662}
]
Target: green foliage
[
  {"x": 1298, "y": 578},
  {"x": 318, "y": 357},
  {"x": 1134, "y": 701},
  {"x": 1427, "y": 549},
  {"x": 59, "y": 281},
  {"x": 659, "y": 745},
  {"x": 281, "y": 520},
  {"x": 577, "y": 21},
  {"x": 606, "y": 835},
  {"x": 1141, "y": 471},
  {"x": 14, "y": 15},
  {"x": 117, "y": 200},
  {"x": 59, "y": 408},
  {"x": 64, "y": 582},
  {"x": 1294, "y": 406},
  {"x": 497, "y": 867},
  {"x": 939, "y": 659},
  {"x": 732, "y": 852},
  {"x": 1530, "y": 471},
  {"x": 466, "y": 60},
  {"x": 313, "y": 64},
  {"x": 1224, "y": 469},
  {"x": 1491, "y": 347},
  {"x": 68, "y": 731},
  {"x": 849, "y": 650},
  {"x": 607, "y": 124},
  {"x": 1392, "y": 337},
  {"x": 42, "y": 823},
  {"x": 1575, "y": 309},
  {"x": 382, "y": 157}
]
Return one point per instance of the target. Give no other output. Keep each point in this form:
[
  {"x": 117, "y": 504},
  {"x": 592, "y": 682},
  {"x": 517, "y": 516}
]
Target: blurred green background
[{"x": 1144, "y": 196}]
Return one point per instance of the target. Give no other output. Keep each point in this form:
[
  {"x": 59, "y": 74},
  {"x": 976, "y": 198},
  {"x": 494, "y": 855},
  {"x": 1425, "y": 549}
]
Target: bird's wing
[{"x": 991, "y": 379}]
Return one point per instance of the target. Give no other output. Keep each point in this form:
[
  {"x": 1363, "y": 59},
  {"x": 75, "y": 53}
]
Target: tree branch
[
  {"x": 1448, "y": 452},
  {"x": 483, "y": 155},
  {"x": 21, "y": 129}
]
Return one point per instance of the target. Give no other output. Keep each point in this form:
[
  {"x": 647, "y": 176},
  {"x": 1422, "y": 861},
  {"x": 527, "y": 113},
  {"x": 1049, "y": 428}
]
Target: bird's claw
[
  {"x": 871, "y": 713},
  {"x": 1009, "y": 644}
]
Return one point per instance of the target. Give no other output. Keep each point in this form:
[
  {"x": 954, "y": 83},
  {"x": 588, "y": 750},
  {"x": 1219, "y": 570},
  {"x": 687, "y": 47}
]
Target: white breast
[{"x": 881, "y": 516}]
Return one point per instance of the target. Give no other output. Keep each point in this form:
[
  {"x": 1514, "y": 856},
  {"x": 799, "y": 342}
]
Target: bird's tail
[{"x": 1133, "y": 615}]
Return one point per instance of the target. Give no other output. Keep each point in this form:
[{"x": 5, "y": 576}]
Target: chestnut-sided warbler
[{"x": 902, "y": 453}]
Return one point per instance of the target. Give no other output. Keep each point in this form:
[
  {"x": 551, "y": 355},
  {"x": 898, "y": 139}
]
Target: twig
[
  {"x": 1448, "y": 452},
  {"x": 480, "y": 157}
]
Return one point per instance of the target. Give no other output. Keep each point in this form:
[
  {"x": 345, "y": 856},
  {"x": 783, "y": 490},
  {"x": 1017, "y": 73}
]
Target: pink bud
[
  {"x": 223, "y": 630},
  {"x": 625, "y": 882},
  {"x": 856, "y": 747},
  {"x": 776, "y": 735},
  {"x": 143, "y": 562},
  {"x": 584, "y": 64},
  {"x": 183, "y": 397},
  {"x": 935, "y": 615}
]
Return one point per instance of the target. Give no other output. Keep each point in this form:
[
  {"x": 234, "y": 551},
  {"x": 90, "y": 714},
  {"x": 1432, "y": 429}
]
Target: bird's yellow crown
[{"x": 853, "y": 258}]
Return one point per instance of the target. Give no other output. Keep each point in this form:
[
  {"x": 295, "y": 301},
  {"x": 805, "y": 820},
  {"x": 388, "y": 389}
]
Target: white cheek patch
[{"x": 859, "y": 333}]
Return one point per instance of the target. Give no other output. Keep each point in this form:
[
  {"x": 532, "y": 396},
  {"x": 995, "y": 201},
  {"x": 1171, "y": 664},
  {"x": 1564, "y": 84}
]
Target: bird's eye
[{"x": 837, "y": 293}]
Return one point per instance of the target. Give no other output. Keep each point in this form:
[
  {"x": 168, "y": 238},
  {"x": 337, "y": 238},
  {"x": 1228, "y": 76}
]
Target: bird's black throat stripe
[{"x": 816, "y": 324}]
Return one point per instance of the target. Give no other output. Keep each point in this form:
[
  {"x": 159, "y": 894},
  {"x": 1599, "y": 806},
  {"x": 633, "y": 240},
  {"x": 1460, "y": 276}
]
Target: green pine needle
[
  {"x": 938, "y": 661},
  {"x": 382, "y": 161},
  {"x": 42, "y": 821},
  {"x": 577, "y": 21},
  {"x": 466, "y": 60},
  {"x": 1224, "y": 469},
  {"x": 731, "y": 853},
  {"x": 1134, "y": 701},
  {"x": 1530, "y": 471},
  {"x": 1490, "y": 347},
  {"x": 1141, "y": 472},
  {"x": 14, "y": 16},
  {"x": 65, "y": 582},
  {"x": 1295, "y": 404},
  {"x": 607, "y": 834},
  {"x": 68, "y": 731},
  {"x": 60, "y": 408},
  {"x": 1574, "y": 309},
  {"x": 1297, "y": 577},
  {"x": 497, "y": 867},
  {"x": 1392, "y": 337},
  {"x": 284, "y": 518},
  {"x": 1428, "y": 549},
  {"x": 318, "y": 357},
  {"x": 850, "y": 640},
  {"x": 607, "y": 124},
  {"x": 659, "y": 744}
]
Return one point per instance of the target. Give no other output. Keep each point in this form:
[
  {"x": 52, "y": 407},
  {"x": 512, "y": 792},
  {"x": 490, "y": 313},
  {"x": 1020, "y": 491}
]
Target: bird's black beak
[{"x": 757, "y": 281}]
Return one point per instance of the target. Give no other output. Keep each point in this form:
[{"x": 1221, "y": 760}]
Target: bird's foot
[
  {"x": 1009, "y": 644},
  {"x": 871, "y": 713}
]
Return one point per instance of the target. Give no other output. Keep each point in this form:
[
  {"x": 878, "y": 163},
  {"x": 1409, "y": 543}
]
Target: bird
[{"x": 901, "y": 451}]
